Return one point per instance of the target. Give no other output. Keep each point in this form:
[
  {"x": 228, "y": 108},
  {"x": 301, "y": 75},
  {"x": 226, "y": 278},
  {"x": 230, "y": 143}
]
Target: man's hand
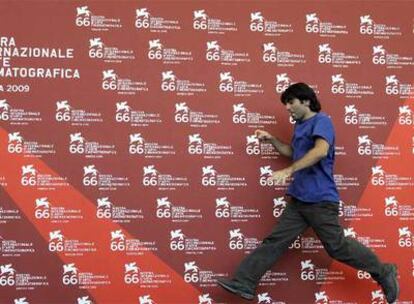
[
  {"x": 263, "y": 135},
  {"x": 279, "y": 177}
]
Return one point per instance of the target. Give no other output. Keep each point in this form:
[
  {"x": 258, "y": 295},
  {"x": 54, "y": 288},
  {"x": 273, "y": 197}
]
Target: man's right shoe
[
  {"x": 389, "y": 283},
  {"x": 236, "y": 288}
]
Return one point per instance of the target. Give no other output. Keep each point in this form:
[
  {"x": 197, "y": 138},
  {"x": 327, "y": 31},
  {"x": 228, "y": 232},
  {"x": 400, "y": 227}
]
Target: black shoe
[
  {"x": 389, "y": 283},
  {"x": 236, "y": 288}
]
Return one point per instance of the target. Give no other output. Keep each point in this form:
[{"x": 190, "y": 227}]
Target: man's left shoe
[
  {"x": 236, "y": 288},
  {"x": 389, "y": 283}
]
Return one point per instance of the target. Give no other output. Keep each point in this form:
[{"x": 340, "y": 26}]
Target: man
[{"x": 314, "y": 201}]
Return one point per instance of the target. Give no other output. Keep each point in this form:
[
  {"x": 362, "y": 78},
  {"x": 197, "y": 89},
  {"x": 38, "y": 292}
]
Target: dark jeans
[{"x": 323, "y": 218}]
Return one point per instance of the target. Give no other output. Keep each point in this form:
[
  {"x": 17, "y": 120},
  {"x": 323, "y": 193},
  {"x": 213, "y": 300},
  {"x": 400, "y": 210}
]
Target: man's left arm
[{"x": 314, "y": 155}]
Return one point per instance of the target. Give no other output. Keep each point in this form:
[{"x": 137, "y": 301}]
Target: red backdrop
[{"x": 129, "y": 170}]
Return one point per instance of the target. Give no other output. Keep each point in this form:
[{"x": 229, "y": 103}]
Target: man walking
[{"x": 314, "y": 201}]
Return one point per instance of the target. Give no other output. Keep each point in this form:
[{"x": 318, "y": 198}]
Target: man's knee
[
  {"x": 277, "y": 239},
  {"x": 270, "y": 239},
  {"x": 336, "y": 250}
]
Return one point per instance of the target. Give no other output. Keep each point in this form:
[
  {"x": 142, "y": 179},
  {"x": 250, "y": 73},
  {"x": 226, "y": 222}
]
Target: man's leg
[
  {"x": 323, "y": 218},
  {"x": 253, "y": 267}
]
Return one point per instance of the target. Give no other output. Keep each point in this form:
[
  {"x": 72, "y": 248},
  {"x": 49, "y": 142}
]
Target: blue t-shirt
[{"x": 315, "y": 183}]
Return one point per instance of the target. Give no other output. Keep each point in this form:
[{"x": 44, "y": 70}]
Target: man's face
[{"x": 297, "y": 109}]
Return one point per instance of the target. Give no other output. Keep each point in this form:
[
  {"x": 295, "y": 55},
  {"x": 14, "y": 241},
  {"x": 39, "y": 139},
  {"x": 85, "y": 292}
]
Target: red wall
[{"x": 91, "y": 94}]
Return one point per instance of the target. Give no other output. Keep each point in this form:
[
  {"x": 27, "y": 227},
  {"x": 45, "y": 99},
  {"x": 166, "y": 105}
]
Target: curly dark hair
[{"x": 302, "y": 92}]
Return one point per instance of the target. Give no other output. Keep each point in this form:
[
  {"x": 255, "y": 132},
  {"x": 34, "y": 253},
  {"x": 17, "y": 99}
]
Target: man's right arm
[{"x": 284, "y": 149}]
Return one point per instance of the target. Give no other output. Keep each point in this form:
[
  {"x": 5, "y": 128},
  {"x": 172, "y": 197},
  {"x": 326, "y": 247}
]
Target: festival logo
[
  {"x": 124, "y": 86},
  {"x": 142, "y": 278},
  {"x": 350, "y": 89},
  {"x": 93, "y": 178},
  {"x": 177, "y": 213},
  {"x": 197, "y": 119},
  {"x": 170, "y": 83},
  {"x": 211, "y": 178},
  {"x": 120, "y": 243},
  {"x": 193, "y": 246},
  {"x": 140, "y": 146},
  {"x": 86, "y": 19},
  {"x": 378, "y": 297},
  {"x": 281, "y": 58},
  {"x": 153, "y": 178},
  {"x": 265, "y": 179},
  {"x": 314, "y": 25},
  {"x": 238, "y": 241},
  {"x": 84, "y": 300},
  {"x": 405, "y": 115},
  {"x": 45, "y": 210},
  {"x": 90, "y": 149},
  {"x": 7, "y": 275},
  {"x": 264, "y": 149},
  {"x": 71, "y": 276},
  {"x": 144, "y": 20},
  {"x": 265, "y": 173},
  {"x": 321, "y": 298},
  {"x": 380, "y": 56},
  {"x": 204, "y": 22},
  {"x": 338, "y": 59},
  {"x": 205, "y": 299},
  {"x": 394, "y": 87},
  {"x": 258, "y": 23},
  {"x": 77, "y": 117},
  {"x": 15, "y": 116},
  {"x": 32, "y": 177},
  {"x": 405, "y": 237},
  {"x": 282, "y": 82},
  {"x": 69, "y": 247},
  {"x": 310, "y": 272},
  {"x": 353, "y": 116},
  {"x": 367, "y": 147},
  {"x": 119, "y": 213},
  {"x": 228, "y": 84},
  {"x": 216, "y": 53},
  {"x": 307, "y": 270},
  {"x": 17, "y": 144},
  {"x": 125, "y": 114},
  {"x": 243, "y": 116},
  {"x": 158, "y": 51},
  {"x": 367, "y": 26},
  {"x": 279, "y": 205},
  {"x": 197, "y": 146},
  {"x": 109, "y": 54},
  {"x": 394, "y": 208},
  {"x": 265, "y": 298},
  {"x": 226, "y": 210},
  {"x": 11, "y": 277},
  {"x": 379, "y": 177},
  {"x": 193, "y": 274},
  {"x": 131, "y": 274}
]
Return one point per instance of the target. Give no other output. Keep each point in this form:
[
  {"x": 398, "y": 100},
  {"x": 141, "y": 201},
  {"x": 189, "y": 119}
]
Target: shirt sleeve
[{"x": 324, "y": 128}]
